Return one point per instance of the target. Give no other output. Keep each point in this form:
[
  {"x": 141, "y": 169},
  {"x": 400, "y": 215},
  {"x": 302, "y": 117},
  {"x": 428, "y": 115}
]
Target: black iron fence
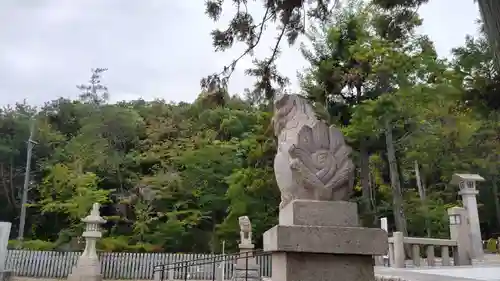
[{"x": 218, "y": 267}]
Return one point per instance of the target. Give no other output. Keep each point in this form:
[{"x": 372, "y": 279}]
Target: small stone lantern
[{"x": 88, "y": 266}]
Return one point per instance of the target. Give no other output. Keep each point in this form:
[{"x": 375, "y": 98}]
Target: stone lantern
[
  {"x": 468, "y": 191},
  {"x": 88, "y": 267}
]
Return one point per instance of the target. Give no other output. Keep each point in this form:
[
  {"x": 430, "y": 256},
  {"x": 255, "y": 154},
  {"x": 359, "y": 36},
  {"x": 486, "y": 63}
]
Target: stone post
[
  {"x": 4, "y": 241},
  {"x": 246, "y": 266},
  {"x": 322, "y": 240},
  {"x": 468, "y": 191},
  {"x": 459, "y": 231},
  {"x": 399, "y": 249},
  {"x": 383, "y": 260},
  {"x": 88, "y": 267}
]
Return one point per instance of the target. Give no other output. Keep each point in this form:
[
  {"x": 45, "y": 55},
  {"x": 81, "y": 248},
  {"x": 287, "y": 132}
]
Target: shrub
[
  {"x": 144, "y": 248},
  {"x": 491, "y": 245},
  {"x": 37, "y": 245},
  {"x": 123, "y": 244},
  {"x": 113, "y": 244}
]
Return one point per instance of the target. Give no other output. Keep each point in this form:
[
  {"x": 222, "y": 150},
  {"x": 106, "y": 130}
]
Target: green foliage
[
  {"x": 36, "y": 245},
  {"x": 70, "y": 193},
  {"x": 123, "y": 244},
  {"x": 374, "y": 83},
  {"x": 491, "y": 245}
]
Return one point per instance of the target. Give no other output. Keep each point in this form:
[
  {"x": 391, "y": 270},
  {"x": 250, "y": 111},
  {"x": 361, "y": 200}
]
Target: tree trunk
[
  {"x": 421, "y": 189},
  {"x": 397, "y": 197},
  {"x": 6, "y": 186},
  {"x": 365, "y": 183},
  {"x": 496, "y": 199},
  {"x": 490, "y": 12},
  {"x": 423, "y": 199}
]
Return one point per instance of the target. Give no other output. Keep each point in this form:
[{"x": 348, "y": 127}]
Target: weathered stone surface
[
  {"x": 245, "y": 230},
  {"x": 86, "y": 269},
  {"x": 312, "y": 162},
  {"x": 246, "y": 247},
  {"x": 331, "y": 249},
  {"x": 321, "y": 267},
  {"x": 319, "y": 213},
  {"x": 244, "y": 272},
  {"x": 325, "y": 239},
  {"x": 6, "y": 275}
]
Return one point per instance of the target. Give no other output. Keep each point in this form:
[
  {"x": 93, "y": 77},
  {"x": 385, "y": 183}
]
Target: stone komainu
[
  {"x": 313, "y": 162},
  {"x": 245, "y": 229}
]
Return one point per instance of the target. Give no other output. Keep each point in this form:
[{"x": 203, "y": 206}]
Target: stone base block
[
  {"x": 86, "y": 269},
  {"x": 246, "y": 247},
  {"x": 319, "y": 213},
  {"x": 5, "y": 275},
  {"x": 326, "y": 240},
  {"x": 321, "y": 267},
  {"x": 320, "y": 241},
  {"x": 244, "y": 273}
]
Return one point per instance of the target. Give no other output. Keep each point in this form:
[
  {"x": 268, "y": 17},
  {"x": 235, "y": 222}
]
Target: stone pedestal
[
  {"x": 250, "y": 272},
  {"x": 322, "y": 240},
  {"x": 86, "y": 269}
]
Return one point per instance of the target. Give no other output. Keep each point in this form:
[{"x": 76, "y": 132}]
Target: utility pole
[{"x": 24, "y": 200}]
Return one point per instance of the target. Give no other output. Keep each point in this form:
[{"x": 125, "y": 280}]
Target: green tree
[{"x": 291, "y": 16}]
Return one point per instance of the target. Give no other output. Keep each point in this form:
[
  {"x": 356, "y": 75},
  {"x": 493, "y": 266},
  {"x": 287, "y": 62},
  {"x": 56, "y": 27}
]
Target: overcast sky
[{"x": 152, "y": 48}]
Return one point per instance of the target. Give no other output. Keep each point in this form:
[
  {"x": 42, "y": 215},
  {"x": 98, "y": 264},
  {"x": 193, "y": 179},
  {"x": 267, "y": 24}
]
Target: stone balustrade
[{"x": 397, "y": 256}]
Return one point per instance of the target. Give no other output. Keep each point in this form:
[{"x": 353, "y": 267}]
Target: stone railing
[{"x": 397, "y": 257}]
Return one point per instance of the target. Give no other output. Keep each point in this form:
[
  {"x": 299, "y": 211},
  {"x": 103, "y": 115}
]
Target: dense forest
[{"x": 175, "y": 177}]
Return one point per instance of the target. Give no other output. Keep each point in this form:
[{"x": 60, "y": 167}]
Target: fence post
[{"x": 399, "y": 250}]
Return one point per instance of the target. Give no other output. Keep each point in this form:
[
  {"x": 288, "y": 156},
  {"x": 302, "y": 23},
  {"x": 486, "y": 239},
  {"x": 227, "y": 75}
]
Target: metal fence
[
  {"x": 136, "y": 266},
  {"x": 239, "y": 265}
]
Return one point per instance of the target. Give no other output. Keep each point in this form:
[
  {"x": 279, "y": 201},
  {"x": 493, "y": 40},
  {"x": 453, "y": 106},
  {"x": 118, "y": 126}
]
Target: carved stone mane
[
  {"x": 289, "y": 111},
  {"x": 312, "y": 162}
]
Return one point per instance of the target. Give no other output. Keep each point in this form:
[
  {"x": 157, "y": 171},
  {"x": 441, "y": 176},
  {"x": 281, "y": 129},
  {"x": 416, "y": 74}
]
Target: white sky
[{"x": 152, "y": 48}]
